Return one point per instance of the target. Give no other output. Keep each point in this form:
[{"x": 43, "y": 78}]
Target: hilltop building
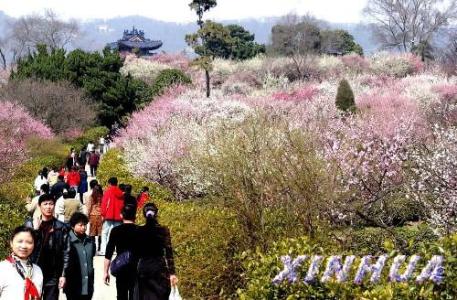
[{"x": 134, "y": 42}]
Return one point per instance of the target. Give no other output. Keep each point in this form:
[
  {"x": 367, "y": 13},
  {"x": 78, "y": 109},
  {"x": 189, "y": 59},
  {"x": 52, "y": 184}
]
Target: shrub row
[
  {"x": 204, "y": 236},
  {"x": 262, "y": 267}
]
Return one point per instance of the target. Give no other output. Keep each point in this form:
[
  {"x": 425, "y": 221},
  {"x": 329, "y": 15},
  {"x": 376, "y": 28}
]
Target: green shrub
[
  {"x": 263, "y": 169},
  {"x": 92, "y": 134},
  {"x": 205, "y": 236},
  {"x": 13, "y": 214},
  {"x": 345, "y": 97},
  {"x": 113, "y": 165},
  {"x": 20, "y": 186},
  {"x": 168, "y": 78},
  {"x": 261, "y": 268}
]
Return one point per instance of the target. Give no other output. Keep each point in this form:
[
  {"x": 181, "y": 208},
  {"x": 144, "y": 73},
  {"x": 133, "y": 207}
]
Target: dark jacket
[
  {"x": 58, "y": 255},
  {"x": 155, "y": 262},
  {"x": 57, "y": 189},
  {"x": 82, "y": 188},
  {"x": 80, "y": 273}
]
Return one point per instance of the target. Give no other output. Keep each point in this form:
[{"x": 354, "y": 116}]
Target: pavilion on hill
[{"x": 135, "y": 39}]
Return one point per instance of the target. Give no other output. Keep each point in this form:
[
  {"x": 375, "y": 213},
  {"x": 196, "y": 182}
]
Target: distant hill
[{"x": 99, "y": 32}]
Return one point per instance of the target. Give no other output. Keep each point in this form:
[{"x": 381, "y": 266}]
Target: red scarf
[{"x": 31, "y": 292}]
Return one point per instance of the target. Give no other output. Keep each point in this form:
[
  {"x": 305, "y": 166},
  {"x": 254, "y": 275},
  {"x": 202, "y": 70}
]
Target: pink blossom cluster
[
  {"x": 304, "y": 93},
  {"x": 16, "y": 126},
  {"x": 177, "y": 61}
]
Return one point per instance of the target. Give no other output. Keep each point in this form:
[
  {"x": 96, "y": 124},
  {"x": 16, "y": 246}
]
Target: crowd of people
[{"x": 71, "y": 221}]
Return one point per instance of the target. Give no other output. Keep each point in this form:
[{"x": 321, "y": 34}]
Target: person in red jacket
[
  {"x": 110, "y": 210},
  {"x": 73, "y": 178},
  {"x": 142, "y": 198}
]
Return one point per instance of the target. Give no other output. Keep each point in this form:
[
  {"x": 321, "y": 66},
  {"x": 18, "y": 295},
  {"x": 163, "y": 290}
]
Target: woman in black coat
[{"x": 156, "y": 269}]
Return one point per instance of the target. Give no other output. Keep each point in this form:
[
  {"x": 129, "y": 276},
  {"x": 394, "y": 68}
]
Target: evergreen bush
[
  {"x": 345, "y": 97},
  {"x": 168, "y": 78}
]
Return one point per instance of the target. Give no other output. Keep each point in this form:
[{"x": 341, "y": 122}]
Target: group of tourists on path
[{"x": 55, "y": 250}]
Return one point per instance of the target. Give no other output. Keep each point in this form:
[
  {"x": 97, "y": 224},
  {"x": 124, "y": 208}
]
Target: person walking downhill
[
  {"x": 156, "y": 269},
  {"x": 52, "y": 249},
  {"x": 41, "y": 179},
  {"x": 53, "y": 176},
  {"x": 71, "y": 205},
  {"x": 73, "y": 178},
  {"x": 19, "y": 277},
  {"x": 82, "y": 188},
  {"x": 112, "y": 203},
  {"x": 95, "y": 217},
  {"x": 32, "y": 207},
  {"x": 72, "y": 160},
  {"x": 80, "y": 274},
  {"x": 122, "y": 239}
]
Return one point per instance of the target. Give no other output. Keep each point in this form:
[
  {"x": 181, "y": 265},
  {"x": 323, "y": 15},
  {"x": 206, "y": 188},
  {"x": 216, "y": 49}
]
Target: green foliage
[
  {"x": 13, "y": 214},
  {"x": 268, "y": 173},
  {"x": 20, "y": 186},
  {"x": 42, "y": 65},
  {"x": 205, "y": 236},
  {"x": 345, "y": 97},
  {"x": 212, "y": 39},
  {"x": 200, "y": 7},
  {"x": 340, "y": 41},
  {"x": 168, "y": 78},
  {"x": 92, "y": 134},
  {"x": 295, "y": 39},
  {"x": 113, "y": 165},
  {"x": 97, "y": 73},
  {"x": 262, "y": 267},
  {"x": 243, "y": 44}
]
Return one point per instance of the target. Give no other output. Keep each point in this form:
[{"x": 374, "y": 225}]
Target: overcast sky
[{"x": 178, "y": 10}]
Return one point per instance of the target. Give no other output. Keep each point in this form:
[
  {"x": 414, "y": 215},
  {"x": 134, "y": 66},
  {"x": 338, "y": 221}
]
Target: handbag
[
  {"x": 121, "y": 262},
  {"x": 174, "y": 294}
]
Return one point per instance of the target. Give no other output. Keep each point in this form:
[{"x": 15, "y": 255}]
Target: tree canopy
[
  {"x": 96, "y": 73},
  {"x": 405, "y": 24}
]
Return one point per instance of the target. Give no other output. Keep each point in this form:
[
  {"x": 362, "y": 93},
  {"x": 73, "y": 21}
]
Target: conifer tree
[{"x": 345, "y": 97}]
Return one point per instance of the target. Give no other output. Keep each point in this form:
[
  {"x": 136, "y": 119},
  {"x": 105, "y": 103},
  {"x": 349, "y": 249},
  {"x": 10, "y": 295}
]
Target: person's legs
[
  {"x": 50, "y": 292},
  {"x": 92, "y": 170},
  {"x": 106, "y": 230},
  {"x": 122, "y": 288},
  {"x": 95, "y": 171}
]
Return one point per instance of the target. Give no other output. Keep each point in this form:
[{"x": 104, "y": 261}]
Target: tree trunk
[
  {"x": 207, "y": 84},
  {"x": 3, "y": 60}
]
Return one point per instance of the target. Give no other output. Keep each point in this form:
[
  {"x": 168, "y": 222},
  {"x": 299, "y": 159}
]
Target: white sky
[{"x": 178, "y": 10}]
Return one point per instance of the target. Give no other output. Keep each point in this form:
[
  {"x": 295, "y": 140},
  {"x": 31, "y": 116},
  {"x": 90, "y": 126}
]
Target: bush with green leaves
[
  {"x": 345, "y": 97},
  {"x": 98, "y": 74},
  {"x": 261, "y": 268},
  {"x": 205, "y": 236},
  {"x": 168, "y": 78},
  {"x": 16, "y": 189},
  {"x": 91, "y": 134},
  {"x": 262, "y": 168},
  {"x": 13, "y": 214}
]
